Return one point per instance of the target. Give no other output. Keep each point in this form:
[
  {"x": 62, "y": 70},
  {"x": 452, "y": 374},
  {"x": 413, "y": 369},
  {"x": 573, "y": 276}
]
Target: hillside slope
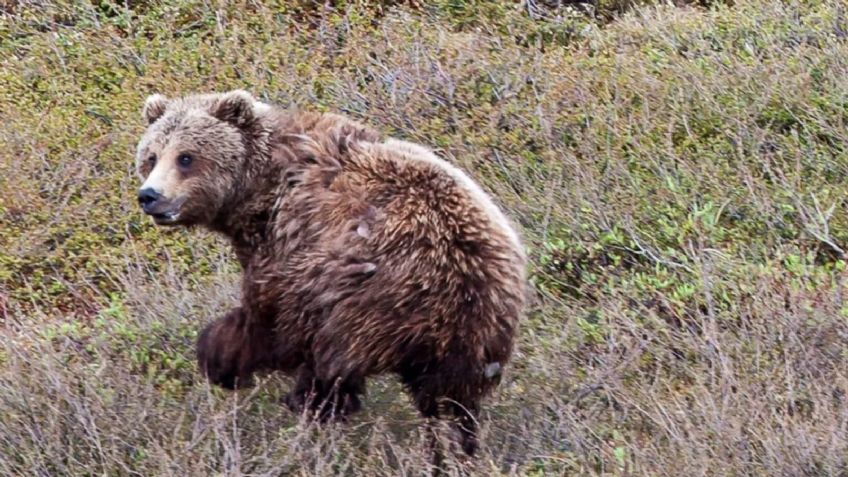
[{"x": 680, "y": 176}]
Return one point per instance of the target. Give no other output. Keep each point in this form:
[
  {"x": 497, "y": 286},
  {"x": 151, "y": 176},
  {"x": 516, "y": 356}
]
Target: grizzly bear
[{"x": 361, "y": 254}]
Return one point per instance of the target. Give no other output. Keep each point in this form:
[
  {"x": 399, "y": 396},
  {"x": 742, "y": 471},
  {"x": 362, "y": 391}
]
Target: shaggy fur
[{"x": 361, "y": 254}]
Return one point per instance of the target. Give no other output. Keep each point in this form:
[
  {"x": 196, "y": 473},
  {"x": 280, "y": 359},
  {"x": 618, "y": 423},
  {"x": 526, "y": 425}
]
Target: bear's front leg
[
  {"x": 230, "y": 350},
  {"x": 326, "y": 400}
]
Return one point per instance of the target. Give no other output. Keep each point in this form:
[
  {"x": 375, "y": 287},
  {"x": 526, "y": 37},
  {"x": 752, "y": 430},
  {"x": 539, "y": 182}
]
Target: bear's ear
[
  {"x": 235, "y": 107},
  {"x": 154, "y": 108}
]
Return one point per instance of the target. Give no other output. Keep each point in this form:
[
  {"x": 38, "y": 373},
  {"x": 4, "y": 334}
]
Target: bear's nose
[{"x": 147, "y": 197}]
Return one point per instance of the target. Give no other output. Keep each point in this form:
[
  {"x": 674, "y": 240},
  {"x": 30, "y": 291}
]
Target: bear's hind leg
[
  {"x": 445, "y": 395},
  {"x": 229, "y": 351}
]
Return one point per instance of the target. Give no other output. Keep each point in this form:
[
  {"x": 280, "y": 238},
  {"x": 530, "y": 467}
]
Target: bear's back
[{"x": 449, "y": 266}]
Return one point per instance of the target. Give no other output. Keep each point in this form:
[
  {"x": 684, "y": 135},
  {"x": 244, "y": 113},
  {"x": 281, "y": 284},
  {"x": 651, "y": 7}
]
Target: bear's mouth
[
  {"x": 163, "y": 218},
  {"x": 164, "y": 211}
]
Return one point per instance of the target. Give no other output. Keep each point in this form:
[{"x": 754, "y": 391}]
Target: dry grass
[{"x": 680, "y": 175}]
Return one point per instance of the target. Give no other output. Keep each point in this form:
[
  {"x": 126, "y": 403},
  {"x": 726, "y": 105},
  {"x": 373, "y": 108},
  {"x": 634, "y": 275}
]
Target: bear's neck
[
  {"x": 245, "y": 220},
  {"x": 245, "y": 223}
]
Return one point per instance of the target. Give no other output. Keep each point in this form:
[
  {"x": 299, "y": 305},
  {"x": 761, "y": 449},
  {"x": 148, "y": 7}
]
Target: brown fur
[{"x": 361, "y": 256}]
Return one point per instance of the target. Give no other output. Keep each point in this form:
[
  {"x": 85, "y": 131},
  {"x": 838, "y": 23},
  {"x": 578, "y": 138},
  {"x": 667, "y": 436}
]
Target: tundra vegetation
[{"x": 679, "y": 173}]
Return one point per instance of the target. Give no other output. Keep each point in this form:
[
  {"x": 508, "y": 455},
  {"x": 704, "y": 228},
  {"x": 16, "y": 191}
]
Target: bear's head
[{"x": 193, "y": 155}]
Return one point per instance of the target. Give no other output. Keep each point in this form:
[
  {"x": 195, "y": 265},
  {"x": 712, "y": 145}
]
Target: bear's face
[{"x": 192, "y": 155}]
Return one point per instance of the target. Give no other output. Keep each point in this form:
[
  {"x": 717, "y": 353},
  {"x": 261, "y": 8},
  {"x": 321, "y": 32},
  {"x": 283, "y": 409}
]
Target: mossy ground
[{"x": 679, "y": 174}]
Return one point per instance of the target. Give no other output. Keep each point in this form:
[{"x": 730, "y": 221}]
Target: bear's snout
[
  {"x": 147, "y": 198},
  {"x": 156, "y": 205}
]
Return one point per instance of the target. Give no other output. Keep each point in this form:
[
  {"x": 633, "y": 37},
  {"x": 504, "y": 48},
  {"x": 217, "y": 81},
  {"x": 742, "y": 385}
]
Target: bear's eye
[
  {"x": 152, "y": 159},
  {"x": 184, "y": 160}
]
